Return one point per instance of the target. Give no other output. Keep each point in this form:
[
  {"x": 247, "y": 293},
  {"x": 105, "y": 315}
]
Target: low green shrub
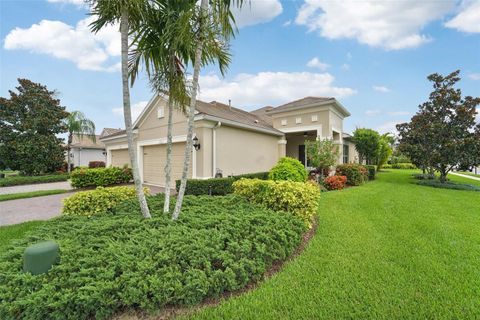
[
  {"x": 288, "y": 169},
  {"x": 372, "y": 170},
  {"x": 387, "y": 166},
  {"x": 217, "y": 186},
  {"x": 100, "y": 177},
  {"x": 448, "y": 185},
  {"x": 21, "y": 180},
  {"x": 404, "y": 166},
  {"x": 426, "y": 176},
  {"x": 298, "y": 198},
  {"x": 98, "y": 201},
  {"x": 115, "y": 263},
  {"x": 356, "y": 174}
]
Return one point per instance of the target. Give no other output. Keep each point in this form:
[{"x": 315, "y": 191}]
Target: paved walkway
[
  {"x": 465, "y": 176},
  {"x": 39, "y": 208},
  {"x": 36, "y": 187}
]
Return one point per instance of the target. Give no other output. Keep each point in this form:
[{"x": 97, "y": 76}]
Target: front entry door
[{"x": 301, "y": 154}]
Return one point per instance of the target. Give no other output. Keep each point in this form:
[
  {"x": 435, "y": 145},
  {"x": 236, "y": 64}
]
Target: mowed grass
[
  {"x": 17, "y": 231},
  {"x": 458, "y": 179},
  {"x": 32, "y": 194},
  {"x": 387, "y": 250}
]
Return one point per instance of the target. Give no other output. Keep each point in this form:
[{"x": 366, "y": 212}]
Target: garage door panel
[
  {"x": 154, "y": 159},
  {"x": 120, "y": 158}
]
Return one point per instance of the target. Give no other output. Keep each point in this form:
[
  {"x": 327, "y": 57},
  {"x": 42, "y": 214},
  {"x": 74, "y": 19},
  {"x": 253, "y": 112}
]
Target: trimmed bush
[
  {"x": 288, "y": 169},
  {"x": 99, "y": 201},
  {"x": 448, "y": 185},
  {"x": 356, "y": 174},
  {"x": 115, "y": 263},
  {"x": 298, "y": 198},
  {"x": 96, "y": 164},
  {"x": 426, "y": 176},
  {"x": 404, "y": 166},
  {"x": 217, "y": 186},
  {"x": 100, "y": 177},
  {"x": 335, "y": 182},
  {"x": 21, "y": 180},
  {"x": 372, "y": 170}
]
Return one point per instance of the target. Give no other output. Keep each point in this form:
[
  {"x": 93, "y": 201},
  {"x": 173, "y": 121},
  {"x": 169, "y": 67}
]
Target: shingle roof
[
  {"x": 226, "y": 112},
  {"x": 87, "y": 142},
  {"x": 301, "y": 102},
  {"x": 109, "y": 131}
]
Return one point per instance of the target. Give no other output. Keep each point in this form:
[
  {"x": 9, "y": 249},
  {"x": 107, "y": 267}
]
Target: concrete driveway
[
  {"x": 36, "y": 187},
  {"x": 39, "y": 208}
]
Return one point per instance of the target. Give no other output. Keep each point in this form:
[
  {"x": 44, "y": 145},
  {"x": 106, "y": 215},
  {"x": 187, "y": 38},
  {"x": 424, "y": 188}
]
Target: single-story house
[
  {"x": 231, "y": 141},
  {"x": 84, "y": 149}
]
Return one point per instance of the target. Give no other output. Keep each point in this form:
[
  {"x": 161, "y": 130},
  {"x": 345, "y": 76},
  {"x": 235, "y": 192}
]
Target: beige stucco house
[{"x": 232, "y": 141}]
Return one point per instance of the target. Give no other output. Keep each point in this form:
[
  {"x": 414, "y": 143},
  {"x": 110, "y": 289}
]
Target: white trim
[
  {"x": 283, "y": 141},
  {"x": 317, "y": 127},
  {"x": 124, "y": 135},
  {"x": 237, "y": 124},
  {"x": 145, "y": 110},
  {"x": 214, "y": 148},
  {"x": 333, "y": 101},
  {"x": 109, "y": 152},
  {"x": 140, "y": 160},
  {"x": 194, "y": 163}
]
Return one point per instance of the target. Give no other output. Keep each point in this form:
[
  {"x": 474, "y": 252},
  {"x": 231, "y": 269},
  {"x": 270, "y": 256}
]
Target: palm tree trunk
[
  {"x": 127, "y": 113},
  {"x": 191, "y": 111},
  {"x": 168, "y": 165}
]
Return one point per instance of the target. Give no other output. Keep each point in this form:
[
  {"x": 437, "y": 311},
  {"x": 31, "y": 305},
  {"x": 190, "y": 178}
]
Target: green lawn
[
  {"x": 17, "y": 231},
  {"x": 470, "y": 174},
  {"x": 32, "y": 194},
  {"x": 389, "y": 249},
  {"x": 458, "y": 179}
]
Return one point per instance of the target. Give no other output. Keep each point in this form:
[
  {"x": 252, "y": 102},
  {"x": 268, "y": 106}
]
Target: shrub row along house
[{"x": 229, "y": 140}]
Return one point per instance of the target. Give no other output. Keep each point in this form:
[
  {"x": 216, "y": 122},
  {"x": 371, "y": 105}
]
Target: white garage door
[
  {"x": 154, "y": 159},
  {"x": 120, "y": 158}
]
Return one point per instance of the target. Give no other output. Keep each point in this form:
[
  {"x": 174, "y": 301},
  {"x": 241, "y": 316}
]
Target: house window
[
  {"x": 298, "y": 120},
  {"x": 345, "y": 153},
  {"x": 284, "y": 122},
  {"x": 161, "y": 112},
  {"x": 314, "y": 118}
]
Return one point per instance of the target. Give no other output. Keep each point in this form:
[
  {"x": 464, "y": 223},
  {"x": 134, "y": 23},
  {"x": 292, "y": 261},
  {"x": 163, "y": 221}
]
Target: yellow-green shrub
[
  {"x": 298, "y": 198},
  {"x": 98, "y": 201}
]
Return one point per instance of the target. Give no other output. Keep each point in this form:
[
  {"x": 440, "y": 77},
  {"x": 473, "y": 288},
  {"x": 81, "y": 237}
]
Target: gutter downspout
[{"x": 214, "y": 148}]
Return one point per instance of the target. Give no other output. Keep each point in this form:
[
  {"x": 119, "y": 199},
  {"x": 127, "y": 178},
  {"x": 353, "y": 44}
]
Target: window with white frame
[
  {"x": 161, "y": 112},
  {"x": 298, "y": 120},
  {"x": 314, "y": 118},
  {"x": 284, "y": 122}
]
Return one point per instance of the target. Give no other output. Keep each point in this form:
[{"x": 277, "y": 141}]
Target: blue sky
[{"x": 373, "y": 56}]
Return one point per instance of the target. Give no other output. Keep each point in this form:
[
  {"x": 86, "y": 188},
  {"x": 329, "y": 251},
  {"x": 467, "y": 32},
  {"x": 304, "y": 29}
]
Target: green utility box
[{"x": 39, "y": 258}]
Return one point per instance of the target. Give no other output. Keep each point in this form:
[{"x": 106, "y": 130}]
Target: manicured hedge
[
  {"x": 217, "y": 186},
  {"x": 288, "y": 169},
  {"x": 399, "y": 166},
  {"x": 372, "y": 170},
  {"x": 21, "y": 180},
  {"x": 298, "y": 198},
  {"x": 110, "y": 264},
  {"x": 335, "y": 182},
  {"x": 100, "y": 177},
  {"x": 96, "y": 164},
  {"x": 99, "y": 201},
  {"x": 356, "y": 174}
]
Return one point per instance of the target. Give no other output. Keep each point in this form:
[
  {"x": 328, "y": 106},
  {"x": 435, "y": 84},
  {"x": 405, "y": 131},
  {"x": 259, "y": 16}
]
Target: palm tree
[
  {"x": 110, "y": 12},
  {"x": 78, "y": 125},
  {"x": 162, "y": 42},
  {"x": 214, "y": 21}
]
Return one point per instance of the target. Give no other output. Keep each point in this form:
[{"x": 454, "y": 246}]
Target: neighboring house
[
  {"x": 83, "y": 149},
  {"x": 231, "y": 141}
]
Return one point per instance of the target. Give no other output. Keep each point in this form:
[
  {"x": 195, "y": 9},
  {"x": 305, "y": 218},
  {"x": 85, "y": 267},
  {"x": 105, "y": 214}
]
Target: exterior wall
[
  {"x": 153, "y": 127},
  {"x": 292, "y": 145},
  {"x": 204, "y": 131},
  {"x": 322, "y": 115},
  {"x": 241, "y": 151},
  {"x": 81, "y": 157}
]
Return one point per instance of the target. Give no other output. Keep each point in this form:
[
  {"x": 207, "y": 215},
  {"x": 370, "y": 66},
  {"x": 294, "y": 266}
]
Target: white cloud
[
  {"x": 468, "y": 19},
  {"x": 474, "y": 76},
  {"x": 136, "y": 109},
  {"x": 388, "y": 127},
  {"x": 316, "y": 63},
  {"x": 269, "y": 88},
  {"x": 79, "y": 3},
  {"x": 77, "y": 44},
  {"x": 372, "y": 113},
  {"x": 257, "y": 11},
  {"x": 287, "y": 23},
  {"x": 391, "y": 25},
  {"x": 381, "y": 89}
]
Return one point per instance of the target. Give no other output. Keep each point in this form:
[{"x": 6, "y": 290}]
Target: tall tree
[
  {"x": 367, "y": 142},
  {"x": 384, "y": 149},
  {"x": 78, "y": 125},
  {"x": 124, "y": 11},
  {"x": 30, "y": 121},
  {"x": 446, "y": 124},
  {"x": 215, "y": 21}
]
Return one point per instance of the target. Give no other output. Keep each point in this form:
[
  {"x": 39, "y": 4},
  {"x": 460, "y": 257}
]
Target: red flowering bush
[{"x": 335, "y": 182}]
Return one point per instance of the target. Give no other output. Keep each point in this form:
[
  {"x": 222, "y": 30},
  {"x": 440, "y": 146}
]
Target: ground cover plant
[
  {"x": 21, "y": 180},
  {"x": 116, "y": 262},
  {"x": 32, "y": 194},
  {"x": 388, "y": 250},
  {"x": 448, "y": 185}
]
